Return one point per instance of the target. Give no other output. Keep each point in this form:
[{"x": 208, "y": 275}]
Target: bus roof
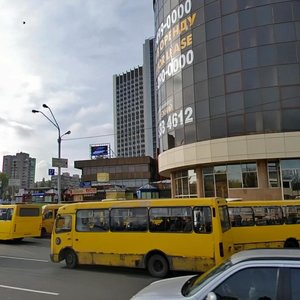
[
  {"x": 20, "y": 205},
  {"x": 144, "y": 203},
  {"x": 263, "y": 203},
  {"x": 52, "y": 205}
]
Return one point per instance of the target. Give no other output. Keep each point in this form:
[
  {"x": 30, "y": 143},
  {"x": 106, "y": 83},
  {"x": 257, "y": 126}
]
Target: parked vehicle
[{"x": 255, "y": 274}]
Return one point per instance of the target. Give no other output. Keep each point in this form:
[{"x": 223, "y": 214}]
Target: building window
[
  {"x": 290, "y": 178},
  {"x": 274, "y": 174},
  {"x": 249, "y": 172},
  {"x": 185, "y": 184},
  {"x": 209, "y": 185},
  {"x": 217, "y": 179},
  {"x": 234, "y": 176},
  {"x": 242, "y": 176}
]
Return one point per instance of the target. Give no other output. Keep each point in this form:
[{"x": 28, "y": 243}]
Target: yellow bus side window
[
  {"x": 203, "y": 219},
  {"x": 241, "y": 216},
  {"x": 293, "y": 215},
  {"x": 92, "y": 220},
  {"x": 29, "y": 212},
  {"x": 6, "y": 214},
  {"x": 268, "y": 215},
  {"x": 170, "y": 219},
  {"x": 129, "y": 219}
]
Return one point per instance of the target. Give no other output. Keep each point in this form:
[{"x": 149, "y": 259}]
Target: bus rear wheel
[
  {"x": 71, "y": 259},
  {"x": 158, "y": 266},
  {"x": 291, "y": 243}
]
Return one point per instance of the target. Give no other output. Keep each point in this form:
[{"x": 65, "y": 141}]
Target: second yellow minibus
[
  {"x": 159, "y": 235},
  {"x": 265, "y": 224},
  {"x": 49, "y": 212}
]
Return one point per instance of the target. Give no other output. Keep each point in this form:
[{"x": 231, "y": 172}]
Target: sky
[{"x": 64, "y": 53}]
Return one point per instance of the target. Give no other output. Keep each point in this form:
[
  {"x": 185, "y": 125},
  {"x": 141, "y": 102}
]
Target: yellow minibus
[
  {"x": 158, "y": 235},
  {"x": 49, "y": 212},
  {"x": 18, "y": 221},
  {"x": 265, "y": 224}
]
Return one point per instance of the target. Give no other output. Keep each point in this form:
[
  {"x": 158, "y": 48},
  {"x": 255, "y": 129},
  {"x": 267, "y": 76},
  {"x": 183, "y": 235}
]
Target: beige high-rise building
[{"x": 22, "y": 167}]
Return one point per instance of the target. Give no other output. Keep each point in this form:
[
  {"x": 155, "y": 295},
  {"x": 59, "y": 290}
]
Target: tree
[{"x": 3, "y": 184}]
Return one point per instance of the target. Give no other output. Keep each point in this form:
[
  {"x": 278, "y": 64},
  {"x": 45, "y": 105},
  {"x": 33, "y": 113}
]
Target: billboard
[
  {"x": 103, "y": 177},
  {"x": 14, "y": 182},
  {"x": 99, "y": 150}
]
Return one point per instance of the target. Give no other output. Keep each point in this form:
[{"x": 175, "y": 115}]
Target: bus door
[
  {"x": 203, "y": 226},
  {"x": 225, "y": 234},
  {"x": 63, "y": 230}
]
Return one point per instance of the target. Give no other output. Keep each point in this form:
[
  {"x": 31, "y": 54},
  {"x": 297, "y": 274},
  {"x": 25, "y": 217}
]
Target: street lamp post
[{"x": 55, "y": 124}]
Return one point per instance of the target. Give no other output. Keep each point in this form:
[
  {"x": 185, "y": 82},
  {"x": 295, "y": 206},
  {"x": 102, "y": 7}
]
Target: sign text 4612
[{"x": 175, "y": 119}]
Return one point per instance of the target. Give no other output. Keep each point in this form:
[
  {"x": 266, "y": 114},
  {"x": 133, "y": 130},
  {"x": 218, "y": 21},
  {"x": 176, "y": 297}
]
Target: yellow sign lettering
[
  {"x": 184, "y": 26},
  {"x": 191, "y": 19},
  {"x": 186, "y": 41}
]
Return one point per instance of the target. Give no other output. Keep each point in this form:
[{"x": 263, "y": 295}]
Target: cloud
[{"x": 65, "y": 56}]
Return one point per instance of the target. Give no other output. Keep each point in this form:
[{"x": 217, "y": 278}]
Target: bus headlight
[{"x": 57, "y": 241}]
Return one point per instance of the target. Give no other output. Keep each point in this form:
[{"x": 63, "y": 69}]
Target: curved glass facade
[{"x": 226, "y": 68}]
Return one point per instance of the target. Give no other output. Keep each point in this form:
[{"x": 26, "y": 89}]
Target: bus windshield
[
  {"x": 6, "y": 214},
  {"x": 63, "y": 223}
]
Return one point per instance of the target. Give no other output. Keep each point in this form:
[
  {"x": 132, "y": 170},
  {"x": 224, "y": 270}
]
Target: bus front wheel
[
  {"x": 71, "y": 259},
  {"x": 158, "y": 266},
  {"x": 43, "y": 233}
]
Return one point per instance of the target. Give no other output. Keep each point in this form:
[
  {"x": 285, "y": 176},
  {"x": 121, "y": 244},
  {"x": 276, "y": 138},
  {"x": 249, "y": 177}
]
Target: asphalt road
[{"x": 26, "y": 272}]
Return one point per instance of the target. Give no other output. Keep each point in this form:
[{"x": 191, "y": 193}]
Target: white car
[{"x": 258, "y": 274}]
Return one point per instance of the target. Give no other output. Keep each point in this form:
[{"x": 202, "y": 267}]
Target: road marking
[
  {"x": 24, "y": 258},
  {"x": 28, "y": 290}
]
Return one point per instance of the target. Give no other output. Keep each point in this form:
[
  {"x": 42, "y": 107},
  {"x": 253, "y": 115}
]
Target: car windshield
[{"x": 193, "y": 285}]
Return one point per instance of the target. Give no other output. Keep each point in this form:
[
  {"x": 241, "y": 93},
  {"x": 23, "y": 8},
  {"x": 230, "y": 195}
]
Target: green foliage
[{"x": 3, "y": 184}]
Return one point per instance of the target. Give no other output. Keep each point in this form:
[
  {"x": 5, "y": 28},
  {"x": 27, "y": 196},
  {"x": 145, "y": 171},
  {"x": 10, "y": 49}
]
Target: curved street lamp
[{"x": 55, "y": 124}]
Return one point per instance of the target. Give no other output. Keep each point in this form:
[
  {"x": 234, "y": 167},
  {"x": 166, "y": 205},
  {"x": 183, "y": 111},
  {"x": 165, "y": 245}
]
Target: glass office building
[
  {"x": 228, "y": 93},
  {"x": 134, "y": 109},
  {"x": 128, "y": 103}
]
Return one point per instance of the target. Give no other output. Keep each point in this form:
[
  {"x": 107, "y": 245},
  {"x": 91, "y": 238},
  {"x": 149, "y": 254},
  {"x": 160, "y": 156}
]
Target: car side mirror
[{"x": 211, "y": 296}]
